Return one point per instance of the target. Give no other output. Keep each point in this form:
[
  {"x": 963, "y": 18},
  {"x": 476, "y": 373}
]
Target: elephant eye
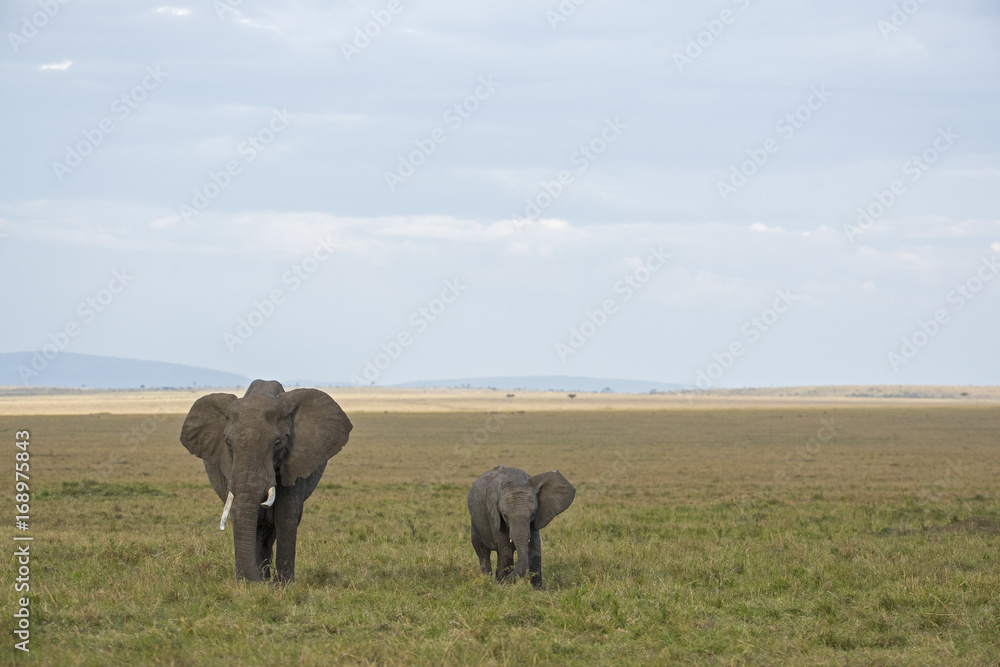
[{"x": 277, "y": 444}]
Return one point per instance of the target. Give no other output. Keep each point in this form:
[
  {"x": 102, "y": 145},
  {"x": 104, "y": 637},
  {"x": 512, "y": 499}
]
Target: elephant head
[
  {"x": 259, "y": 447},
  {"x": 509, "y": 507}
]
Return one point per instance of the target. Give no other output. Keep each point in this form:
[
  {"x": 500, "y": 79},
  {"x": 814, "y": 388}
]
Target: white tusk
[
  {"x": 270, "y": 498},
  {"x": 225, "y": 511}
]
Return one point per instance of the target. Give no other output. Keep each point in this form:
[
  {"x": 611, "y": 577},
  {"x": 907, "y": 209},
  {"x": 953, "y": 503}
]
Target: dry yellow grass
[{"x": 20, "y": 401}]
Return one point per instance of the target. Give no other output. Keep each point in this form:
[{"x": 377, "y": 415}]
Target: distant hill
[
  {"x": 69, "y": 369},
  {"x": 549, "y": 383},
  {"x": 73, "y": 370}
]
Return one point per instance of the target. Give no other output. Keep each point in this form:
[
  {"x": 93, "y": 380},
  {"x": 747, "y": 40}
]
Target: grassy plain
[{"x": 710, "y": 536}]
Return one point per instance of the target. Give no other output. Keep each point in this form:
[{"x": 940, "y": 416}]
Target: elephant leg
[
  {"x": 265, "y": 549},
  {"x": 485, "y": 566},
  {"x": 535, "y": 559},
  {"x": 286, "y": 522},
  {"x": 286, "y": 555},
  {"x": 505, "y": 557}
]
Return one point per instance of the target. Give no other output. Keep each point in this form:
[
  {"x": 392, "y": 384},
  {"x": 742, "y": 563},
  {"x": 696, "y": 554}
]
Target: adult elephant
[
  {"x": 508, "y": 508},
  {"x": 264, "y": 455}
]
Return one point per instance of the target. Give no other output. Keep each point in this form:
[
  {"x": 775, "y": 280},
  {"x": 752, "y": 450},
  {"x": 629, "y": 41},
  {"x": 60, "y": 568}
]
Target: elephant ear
[
  {"x": 319, "y": 429},
  {"x": 493, "y": 501},
  {"x": 555, "y": 494},
  {"x": 203, "y": 432}
]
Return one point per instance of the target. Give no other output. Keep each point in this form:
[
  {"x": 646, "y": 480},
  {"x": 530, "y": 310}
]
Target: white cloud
[
  {"x": 944, "y": 228},
  {"x": 259, "y": 25},
  {"x": 166, "y": 221},
  {"x": 912, "y": 258},
  {"x": 330, "y": 118},
  {"x": 59, "y": 67},
  {"x": 764, "y": 229},
  {"x": 429, "y": 226},
  {"x": 173, "y": 11}
]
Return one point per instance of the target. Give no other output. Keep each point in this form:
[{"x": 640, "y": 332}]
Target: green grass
[{"x": 683, "y": 545}]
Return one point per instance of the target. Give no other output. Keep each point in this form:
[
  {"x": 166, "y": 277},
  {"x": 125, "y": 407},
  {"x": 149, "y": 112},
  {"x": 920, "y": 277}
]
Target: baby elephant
[{"x": 508, "y": 509}]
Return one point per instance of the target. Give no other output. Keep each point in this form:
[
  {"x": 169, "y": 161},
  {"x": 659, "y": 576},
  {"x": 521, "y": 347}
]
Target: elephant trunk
[
  {"x": 520, "y": 536},
  {"x": 246, "y": 508}
]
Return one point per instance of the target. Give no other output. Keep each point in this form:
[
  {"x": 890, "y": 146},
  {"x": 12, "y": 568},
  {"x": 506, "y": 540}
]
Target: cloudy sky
[{"x": 728, "y": 193}]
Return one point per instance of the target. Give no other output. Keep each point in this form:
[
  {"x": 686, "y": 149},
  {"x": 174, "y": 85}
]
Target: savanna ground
[{"x": 710, "y": 536}]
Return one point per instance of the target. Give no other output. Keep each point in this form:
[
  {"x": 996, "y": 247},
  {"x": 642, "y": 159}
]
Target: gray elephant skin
[
  {"x": 508, "y": 508},
  {"x": 264, "y": 455}
]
